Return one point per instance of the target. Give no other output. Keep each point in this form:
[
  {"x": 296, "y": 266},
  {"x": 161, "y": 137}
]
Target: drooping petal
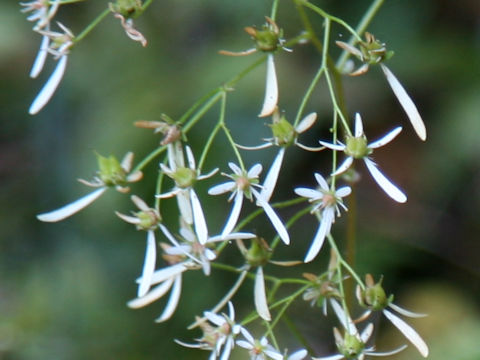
[
  {"x": 172, "y": 301},
  {"x": 386, "y": 139},
  {"x": 387, "y": 186},
  {"x": 72, "y": 208},
  {"x": 233, "y": 218},
  {"x": 152, "y": 295},
  {"x": 41, "y": 57},
  {"x": 358, "y": 125},
  {"x": 260, "y": 296},
  {"x": 199, "y": 219},
  {"x": 271, "y": 89},
  {"x": 407, "y": 103},
  {"x": 148, "y": 264},
  {"x": 328, "y": 216},
  {"x": 272, "y": 176},
  {"x": 343, "y": 166},
  {"x": 405, "y": 312},
  {"x": 49, "y": 88},
  {"x": 273, "y": 217},
  {"x": 321, "y": 181},
  {"x": 408, "y": 331}
]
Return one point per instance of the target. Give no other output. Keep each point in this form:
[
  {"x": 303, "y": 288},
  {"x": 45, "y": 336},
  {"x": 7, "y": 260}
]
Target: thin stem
[
  {"x": 199, "y": 114},
  {"x": 149, "y": 158},
  {"x": 307, "y": 95},
  {"x": 273, "y": 13},
  {"x": 92, "y": 25}
]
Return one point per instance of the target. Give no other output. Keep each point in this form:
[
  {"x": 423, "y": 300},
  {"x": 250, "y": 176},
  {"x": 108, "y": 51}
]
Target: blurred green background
[{"x": 63, "y": 287}]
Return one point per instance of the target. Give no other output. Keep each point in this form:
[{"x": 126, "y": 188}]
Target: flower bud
[
  {"x": 267, "y": 39},
  {"x": 184, "y": 177},
  {"x": 357, "y": 147},
  {"x": 283, "y": 132},
  {"x": 374, "y": 296},
  {"x": 351, "y": 346},
  {"x": 126, "y": 8},
  {"x": 110, "y": 171},
  {"x": 259, "y": 252}
]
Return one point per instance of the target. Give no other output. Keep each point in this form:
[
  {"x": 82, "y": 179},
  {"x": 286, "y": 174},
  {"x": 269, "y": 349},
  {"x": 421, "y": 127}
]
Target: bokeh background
[{"x": 63, "y": 287}]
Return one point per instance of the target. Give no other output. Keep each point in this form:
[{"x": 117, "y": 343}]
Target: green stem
[
  {"x": 91, "y": 26},
  {"x": 273, "y": 13}
]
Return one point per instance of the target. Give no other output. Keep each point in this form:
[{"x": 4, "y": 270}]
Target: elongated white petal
[
  {"x": 387, "y": 186},
  {"x": 233, "y": 218},
  {"x": 349, "y": 48},
  {"x": 167, "y": 273},
  {"x": 328, "y": 216},
  {"x": 271, "y": 89},
  {"x": 244, "y": 344},
  {"x": 386, "y": 139},
  {"x": 272, "y": 176},
  {"x": 227, "y": 349},
  {"x": 343, "y": 318},
  {"x": 321, "y": 181},
  {"x": 366, "y": 333},
  {"x": 306, "y": 123},
  {"x": 358, "y": 125},
  {"x": 222, "y": 188},
  {"x": 190, "y": 158},
  {"x": 148, "y": 264},
  {"x": 343, "y": 191},
  {"x": 408, "y": 331},
  {"x": 49, "y": 88},
  {"x": 129, "y": 219},
  {"x": 258, "y": 147},
  {"x": 172, "y": 301},
  {"x": 298, "y": 355},
  {"x": 232, "y": 236},
  {"x": 274, "y": 354},
  {"x": 185, "y": 206},
  {"x": 331, "y": 357},
  {"x": 254, "y": 171},
  {"x": 338, "y": 147},
  {"x": 72, "y": 208},
  {"x": 386, "y": 353},
  {"x": 260, "y": 296},
  {"x": 407, "y": 103},
  {"x": 343, "y": 166},
  {"x": 199, "y": 219},
  {"x": 273, "y": 217},
  {"x": 192, "y": 346},
  {"x": 41, "y": 57},
  {"x": 309, "y": 193},
  {"x": 216, "y": 319},
  {"x": 405, "y": 312},
  {"x": 247, "y": 336},
  {"x": 235, "y": 168},
  {"x": 154, "y": 294}
]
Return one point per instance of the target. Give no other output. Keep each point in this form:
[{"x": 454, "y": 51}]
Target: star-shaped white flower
[
  {"x": 111, "y": 174},
  {"x": 326, "y": 203},
  {"x": 356, "y": 147},
  {"x": 219, "y": 338},
  {"x": 258, "y": 349},
  {"x": 243, "y": 184}
]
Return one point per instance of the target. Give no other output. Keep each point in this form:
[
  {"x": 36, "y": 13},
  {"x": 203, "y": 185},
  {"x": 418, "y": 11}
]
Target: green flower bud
[
  {"x": 148, "y": 220},
  {"x": 267, "y": 39},
  {"x": 283, "y": 132},
  {"x": 352, "y": 346},
  {"x": 374, "y": 296},
  {"x": 357, "y": 147},
  {"x": 127, "y": 8},
  {"x": 184, "y": 177},
  {"x": 110, "y": 171},
  {"x": 259, "y": 252}
]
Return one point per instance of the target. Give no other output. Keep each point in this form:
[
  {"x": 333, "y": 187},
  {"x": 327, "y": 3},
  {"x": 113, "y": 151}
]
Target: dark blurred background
[{"x": 64, "y": 287}]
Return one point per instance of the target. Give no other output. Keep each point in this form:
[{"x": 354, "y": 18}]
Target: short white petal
[
  {"x": 306, "y": 123},
  {"x": 247, "y": 335},
  {"x": 254, "y": 171},
  {"x": 41, "y": 57},
  {"x": 272, "y": 176},
  {"x": 244, "y": 344},
  {"x": 154, "y": 294},
  {"x": 325, "y": 225},
  {"x": 349, "y": 48},
  {"x": 405, "y": 312},
  {"x": 386, "y": 139},
  {"x": 271, "y": 89},
  {"x": 343, "y": 166},
  {"x": 172, "y": 301},
  {"x": 366, "y": 333},
  {"x": 298, "y": 355},
  {"x": 190, "y": 158},
  {"x": 235, "y": 168},
  {"x": 274, "y": 354},
  {"x": 309, "y": 193},
  {"x": 343, "y": 318},
  {"x": 260, "y": 296},
  {"x": 222, "y": 188},
  {"x": 387, "y": 186},
  {"x": 358, "y": 125},
  {"x": 233, "y": 218},
  {"x": 49, "y": 88},
  {"x": 338, "y": 147},
  {"x": 273, "y": 217},
  {"x": 199, "y": 219},
  {"x": 331, "y": 357},
  {"x": 321, "y": 181},
  {"x": 216, "y": 319},
  {"x": 148, "y": 264},
  {"x": 407, "y": 103},
  {"x": 409, "y": 332},
  {"x": 72, "y": 208},
  {"x": 343, "y": 191}
]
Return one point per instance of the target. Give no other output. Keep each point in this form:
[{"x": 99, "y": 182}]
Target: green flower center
[{"x": 357, "y": 147}]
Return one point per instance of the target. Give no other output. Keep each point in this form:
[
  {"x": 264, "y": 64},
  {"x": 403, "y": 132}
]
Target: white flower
[
  {"x": 284, "y": 134},
  {"x": 43, "y": 12},
  {"x": 243, "y": 184},
  {"x": 111, "y": 174},
  {"x": 374, "y": 298},
  {"x": 219, "y": 336},
  {"x": 60, "y": 44},
  {"x": 326, "y": 204},
  {"x": 357, "y": 148},
  {"x": 372, "y": 52},
  {"x": 352, "y": 345},
  {"x": 258, "y": 349}
]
